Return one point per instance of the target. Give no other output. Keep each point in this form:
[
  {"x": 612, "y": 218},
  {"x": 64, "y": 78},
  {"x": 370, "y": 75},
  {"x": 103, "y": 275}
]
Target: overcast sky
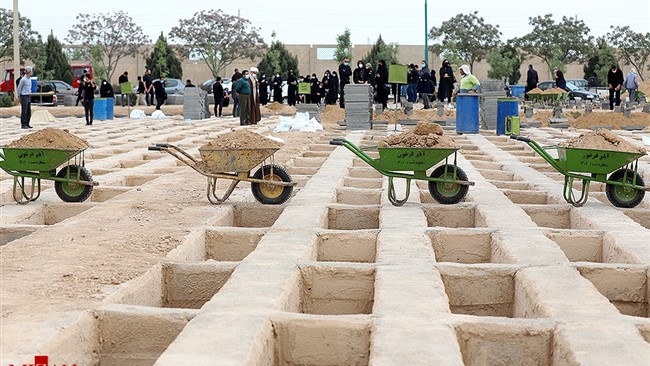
[{"x": 316, "y": 22}]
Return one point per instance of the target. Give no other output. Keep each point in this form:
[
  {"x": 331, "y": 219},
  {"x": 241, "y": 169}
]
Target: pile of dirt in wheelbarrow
[
  {"x": 50, "y": 138},
  {"x": 241, "y": 139},
  {"x": 425, "y": 134},
  {"x": 602, "y": 139}
]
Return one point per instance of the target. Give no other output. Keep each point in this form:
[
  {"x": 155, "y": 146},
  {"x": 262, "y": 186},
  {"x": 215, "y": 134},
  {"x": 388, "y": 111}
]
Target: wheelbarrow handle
[
  {"x": 162, "y": 145},
  {"x": 155, "y": 148},
  {"x": 520, "y": 138},
  {"x": 337, "y": 141}
]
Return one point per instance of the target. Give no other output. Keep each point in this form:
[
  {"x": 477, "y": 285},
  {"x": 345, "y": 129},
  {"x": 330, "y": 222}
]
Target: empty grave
[
  {"x": 555, "y": 216},
  {"x": 369, "y": 183},
  {"x": 468, "y": 246},
  {"x": 480, "y": 291},
  {"x": 125, "y": 164},
  {"x": 55, "y": 212},
  {"x": 346, "y": 246},
  {"x": 231, "y": 244},
  {"x": 487, "y": 165},
  {"x": 343, "y": 217},
  {"x": 251, "y": 215},
  {"x": 105, "y": 193},
  {"x": 527, "y": 197},
  {"x": 334, "y": 290},
  {"x": 138, "y": 180},
  {"x": 626, "y": 287},
  {"x": 476, "y": 157},
  {"x": 500, "y": 175},
  {"x": 359, "y": 172},
  {"x": 358, "y": 196},
  {"x": 175, "y": 285},
  {"x": 452, "y": 216},
  {"x": 587, "y": 246},
  {"x": 523, "y": 153},
  {"x": 300, "y": 170},
  {"x": 308, "y": 162},
  {"x": 10, "y": 233},
  {"x": 520, "y": 186},
  {"x": 323, "y": 341},
  {"x": 484, "y": 344},
  {"x": 641, "y": 216}
]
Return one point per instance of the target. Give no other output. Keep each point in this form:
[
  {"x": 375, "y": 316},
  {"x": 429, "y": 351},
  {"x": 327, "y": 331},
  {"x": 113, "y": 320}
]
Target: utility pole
[
  {"x": 426, "y": 33},
  {"x": 16, "y": 45}
]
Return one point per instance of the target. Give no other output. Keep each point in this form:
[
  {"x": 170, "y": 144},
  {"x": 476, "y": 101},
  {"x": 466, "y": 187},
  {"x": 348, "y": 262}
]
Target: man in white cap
[
  {"x": 255, "y": 114},
  {"x": 468, "y": 82},
  {"x": 24, "y": 91}
]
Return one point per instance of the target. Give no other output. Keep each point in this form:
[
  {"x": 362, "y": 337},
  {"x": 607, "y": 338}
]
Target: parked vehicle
[
  {"x": 580, "y": 83},
  {"x": 574, "y": 91},
  {"x": 61, "y": 89},
  {"x": 207, "y": 85},
  {"x": 174, "y": 86}
]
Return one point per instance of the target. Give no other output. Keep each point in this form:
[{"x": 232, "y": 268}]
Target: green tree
[
  {"x": 382, "y": 51},
  {"x": 600, "y": 61},
  {"x": 505, "y": 62},
  {"x": 343, "y": 45},
  {"x": 557, "y": 44},
  {"x": 279, "y": 59},
  {"x": 468, "y": 35},
  {"x": 30, "y": 40},
  {"x": 56, "y": 61},
  {"x": 633, "y": 47},
  {"x": 163, "y": 60}
]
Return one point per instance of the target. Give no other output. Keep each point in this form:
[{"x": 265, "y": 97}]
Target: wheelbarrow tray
[
  {"x": 233, "y": 160},
  {"x": 410, "y": 158},
  {"x": 593, "y": 161},
  {"x": 29, "y": 159}
]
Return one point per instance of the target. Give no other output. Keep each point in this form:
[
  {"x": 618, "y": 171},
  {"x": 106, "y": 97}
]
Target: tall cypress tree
[
  {"x": 382, "y": 51},
  {"x": 56, "y": 65},
  {"x": 279, "y": 59},
  {"x": 163, "y": 60}
]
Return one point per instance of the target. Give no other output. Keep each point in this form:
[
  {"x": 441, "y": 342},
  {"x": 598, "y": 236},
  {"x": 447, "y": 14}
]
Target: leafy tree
[
  {"x": 470, "y": 37},
  {"x": 29, "y": 39},
  {"x": 600, "y": 61},
  {"x": 505, "y": 62},
  {"x": 218, "y": 38},
  {"x": 382, "y": 51},
  {"x": 163, "y": 60},
  {"x": 633, "y": 48},
  {"x": 343, "y": 45},
  {"x": 109, "y": 37},
  {"x": 56, "y": 61},
  {"x": 279, "y": 59},
  {"x": 557, "y": 44}
]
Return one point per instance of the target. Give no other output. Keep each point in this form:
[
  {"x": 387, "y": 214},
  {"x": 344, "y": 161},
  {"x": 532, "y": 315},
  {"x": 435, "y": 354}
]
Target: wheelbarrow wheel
[
  {"x": 448, "y": 193},
  {"x": 625, "y": 197},
  {"x": 271, "y": 194},
  {"x": 73, "y": 192}
]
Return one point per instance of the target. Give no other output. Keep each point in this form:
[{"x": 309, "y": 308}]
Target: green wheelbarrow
[
  {"x": 448, "y": 183},
  {"x": 624, "y": 186},
  {"x": 73, "y": 183}
]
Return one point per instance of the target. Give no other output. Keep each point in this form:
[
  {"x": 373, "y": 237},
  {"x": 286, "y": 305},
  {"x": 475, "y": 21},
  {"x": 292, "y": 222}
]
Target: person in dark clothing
[
  {"x": 148, "y": 87},
  {"x": 80, "y": 90},
  {"x": 314, "y": 89},
  {"x": 344, "y": 79},
  {"x": 235, "y": 98},
  {"x": 140, "y": 92},
  {"x": 531, "y": 80},
  {"x": 447, "y": 80},
  {"x": 426, "y": 84},
  {"x": 614, "y": 82},
  {"x": 105, "y": 89},
  {"x": 307, "y": 97},
  {"x": 320, "y": 93},
  {"x": 328, "y": 82},
  {"x": 124, "y": 78},
  {"x": 264, "y": 89},
  {"x": 381, "y": 82},
  {"x": 369, "y": 74},
  {"x": 217, "y": 92},
  {"x": 88, "y": 98},
  {"x": 359, "y": 73},
  {"x": 159, "y": 90},
  {"x": 188, "y": 84},
  {"x": 412, "y": 79},
  {"x": 560, "y": 81},
  {"x": 22, "y": 74},
  {"x": 292, "y": 88},
  {"x": 334, "y": 91},
  {"x": 276, "y": 84}
]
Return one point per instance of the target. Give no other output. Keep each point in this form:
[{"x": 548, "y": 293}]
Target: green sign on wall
[{"x": 397, "y": 74}]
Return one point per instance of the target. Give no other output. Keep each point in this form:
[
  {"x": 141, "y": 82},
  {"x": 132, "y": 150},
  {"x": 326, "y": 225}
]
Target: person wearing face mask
[
  {"x": 369, "y": 74},
  {"x": 243, "y": 90},
  {"x": 307, "y": 96},
  {"x": 425, "y": 85},
  {"x": 381, "y": 80},
  {"x": 358, "y": 73},
  {"x": 344, "y": 78},
  {"x": 447, "y": 80},
  {"x": 334, "y": 91},
  {"x": 327, "y": 83},
  {"x": 264, "y": 89},
  {"x": 314, "y": 89},
  {"x": 276, "y": 84},
  {"x": 292, "y": 89},
  {"x": 254, "y": 99}
]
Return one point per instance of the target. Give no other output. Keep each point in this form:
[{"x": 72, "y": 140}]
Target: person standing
[
  {"x": 255, "y": 114},
  {"x": 188, "y": 84},
  {"x": 615, "y": 82},
  {"x": 148, "y": 87},
  {"x": 369, "y": 74},
  {"x": 412, "y": 80},
  {"x": 631, "y": 84},
  {"x": 79, "y": 92},
  {"x": 334, "y": 91},
  {"x": 531, "y": 80},
  {"x": 468, "y": 82},
  {"x": 141, "y": 92},
  {"x": 447, "y": 80},
  {"x": 264, "y": 89},
  {"x": 560, "y": 81},
  {"x": 358, "y": 73},
  {"x": 425, "y": 85},
  {"x": 243, "y": 90},
  {"x": 24, "y": 91},
  {"x": 88, "y": 98},
  {"x": 217, "y": 92},
  {"x": 292, "y": 88},
  {"x": 159, "y": 90},
  {"x": 344, "y": 74},
  {"x": 314, "y": 89},
  {"x": 105, "y": 89},
  {"x": 276, "y": 84},
  {"x": 381, "y": 81},
  {"x": 235, "y": 98},
  {"x": 124, "y": 78}
]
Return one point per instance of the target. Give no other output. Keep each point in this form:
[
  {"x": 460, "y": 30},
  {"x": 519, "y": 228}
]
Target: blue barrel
[
  {"x": 517, "y": 90},
  {"x": 110, "y": 104},
  {"x": 34, "y": 80},
  {"x": 99, "y": 109},
  {"x": 505, "y": 107},
  {"x": 467, "y": 120}
]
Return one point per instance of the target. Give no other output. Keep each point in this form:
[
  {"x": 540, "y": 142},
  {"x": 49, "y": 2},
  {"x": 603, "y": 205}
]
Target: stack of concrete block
[
  {"x": 488, "y": 109},
  {"x": 312, "y": 109},
  {"x": 358, "y": 106},
  {"x": 195, "y": 104}
]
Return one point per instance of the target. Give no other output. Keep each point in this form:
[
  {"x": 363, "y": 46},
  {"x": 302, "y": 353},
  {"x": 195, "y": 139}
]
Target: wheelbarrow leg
[
  {"x": 391, "y": 192},
  {"x": 212, "y": 195},
  {"x": 20, "y": 195},
  {"x": 568, "y": 192}
]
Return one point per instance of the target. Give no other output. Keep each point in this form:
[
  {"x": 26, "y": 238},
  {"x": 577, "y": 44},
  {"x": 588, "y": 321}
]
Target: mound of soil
[
  {"x": 332, "y": 115},
  {"x": 602, "y": 139},
  {"x": 609, "y": 118},
  {"x": 535, "y": 91},
  {"x": 425, "y": 134},
  {"x": 277, "y": 108},
  {"x": 426, "y": 128},
  {"x": 426, "y": 115},
  {"x": 240, "y": 139},
  {"x": 50, "y": 138}
]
